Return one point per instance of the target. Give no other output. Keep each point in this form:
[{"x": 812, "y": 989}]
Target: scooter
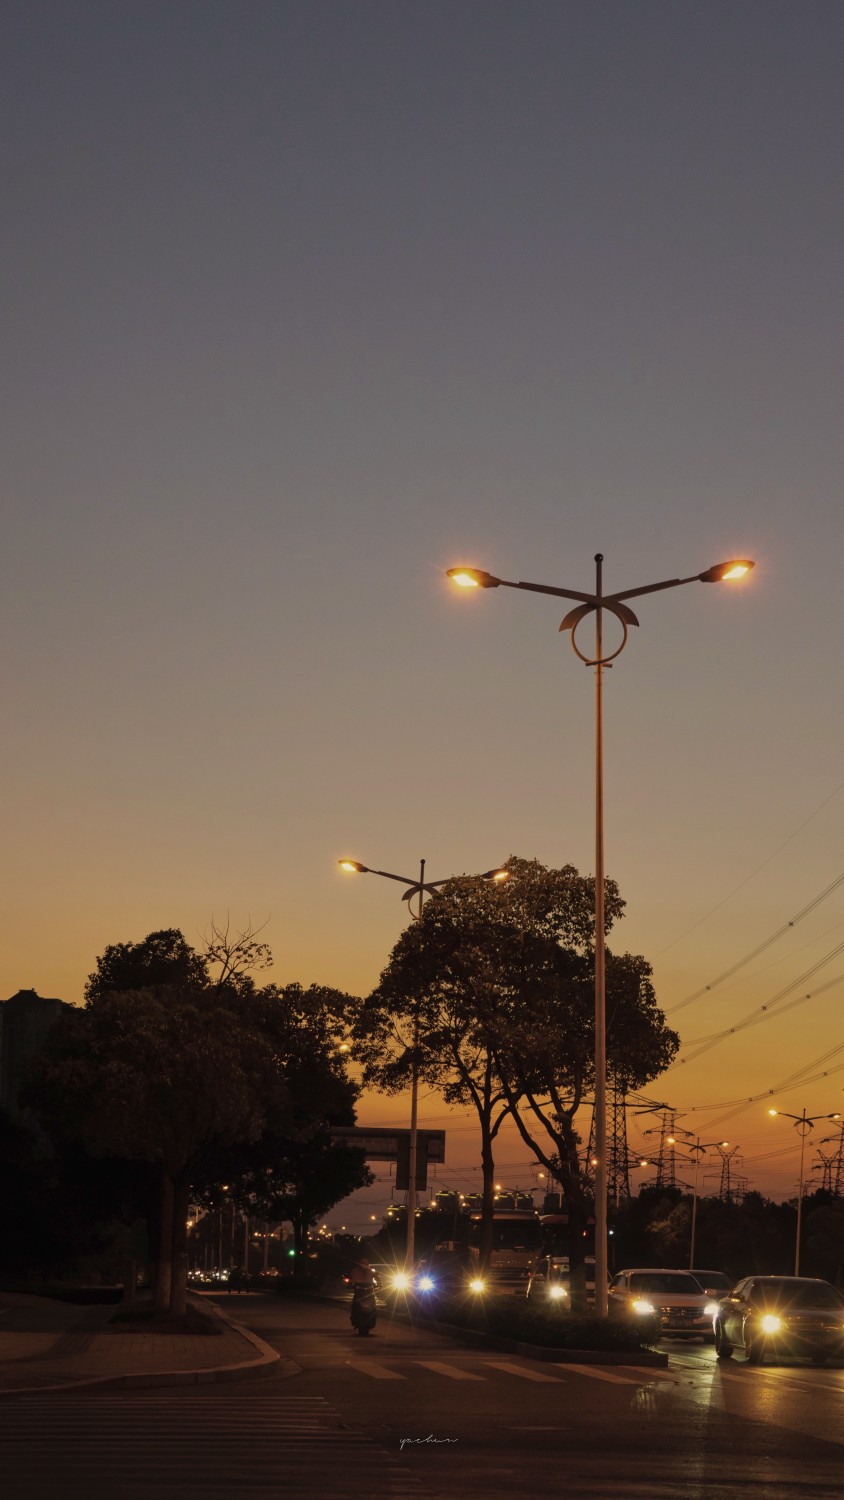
[{"x": 363, "y": 1308}]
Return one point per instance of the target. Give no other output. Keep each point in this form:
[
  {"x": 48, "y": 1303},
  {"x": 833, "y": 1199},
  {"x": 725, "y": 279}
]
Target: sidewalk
[{"x": 49, "y": 1345}]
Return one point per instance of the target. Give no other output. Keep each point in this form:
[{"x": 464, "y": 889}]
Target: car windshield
[
  {"x": 664, "y": 1282},
  {"x": 798, "y": 1294}
]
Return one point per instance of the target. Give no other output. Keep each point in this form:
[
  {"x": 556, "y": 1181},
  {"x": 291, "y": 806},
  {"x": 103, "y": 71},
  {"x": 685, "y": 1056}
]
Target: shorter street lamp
[
  {"x": 804, "y": 1123},
  {"x": 420, "y": 888},
  {"x": 698, "y": 1149}
]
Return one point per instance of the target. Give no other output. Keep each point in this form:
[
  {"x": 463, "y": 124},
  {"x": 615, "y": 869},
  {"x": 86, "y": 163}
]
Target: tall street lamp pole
[
  {"x": 804, "y": 1123},
  {"x": 597, "y": 603},
  {"x": 415, "y": 888},
  {"x": 698, "y": 1149}
]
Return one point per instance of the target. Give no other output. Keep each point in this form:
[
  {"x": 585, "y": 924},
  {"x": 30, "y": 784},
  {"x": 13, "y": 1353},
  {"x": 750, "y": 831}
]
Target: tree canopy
[
  {"x": 165, "y": 1066},
  {"x": 495, "y": 981}
]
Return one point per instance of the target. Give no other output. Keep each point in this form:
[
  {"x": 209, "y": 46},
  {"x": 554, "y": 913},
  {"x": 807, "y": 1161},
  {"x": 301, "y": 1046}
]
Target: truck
[{"x": 516, "y": 1245}]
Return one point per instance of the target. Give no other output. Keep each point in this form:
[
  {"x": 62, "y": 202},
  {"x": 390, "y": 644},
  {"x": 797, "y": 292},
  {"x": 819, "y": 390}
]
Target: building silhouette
[{"x": 26, "y": 1021}]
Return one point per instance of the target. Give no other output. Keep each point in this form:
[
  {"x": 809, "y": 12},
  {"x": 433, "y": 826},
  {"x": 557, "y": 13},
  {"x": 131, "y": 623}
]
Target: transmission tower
[
  {"x": 732, "y": 1188},
  {"x": 665, "y": 1175},
  {"x": 836, "y": 1183},
  {"x": 619, "y": 1159},
  {"x": 618, "y": 1176},
  {"x": 825, "y": 1164}
]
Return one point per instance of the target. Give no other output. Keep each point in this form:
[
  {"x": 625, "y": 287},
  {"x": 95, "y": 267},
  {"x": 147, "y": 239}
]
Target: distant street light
[
  {"x": 699, "y": 1148},
  {"x": 420, "y": 888},
  {"x": 597, "y": 602},
  {"x": 804, "y": 1123}
]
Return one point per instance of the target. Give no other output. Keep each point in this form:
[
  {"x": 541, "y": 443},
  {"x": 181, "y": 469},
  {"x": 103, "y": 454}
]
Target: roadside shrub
[{"x": 548, "y": 1327}]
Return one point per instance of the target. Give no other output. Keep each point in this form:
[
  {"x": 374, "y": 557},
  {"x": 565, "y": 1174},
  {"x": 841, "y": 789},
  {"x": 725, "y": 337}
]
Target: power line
[
  {"x": 764, "y": 1012},
  {"x": 753, "y": 873},
  {"x": 749, "y": 957},
  {"x": 795, "y": 1079}
]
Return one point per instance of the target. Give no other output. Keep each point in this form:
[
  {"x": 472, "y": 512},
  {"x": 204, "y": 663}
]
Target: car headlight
[
  {"x": 642, "y": 1305},
  {"x": 710, "y": 1310},
  {"x": 401, "y": 1281},
  {"x": 556, "y": 1293},
  {"x": 426, "y": 1283},
  {"x": 477, "y": 1284},
  {"x": 771, "y": 1323}
]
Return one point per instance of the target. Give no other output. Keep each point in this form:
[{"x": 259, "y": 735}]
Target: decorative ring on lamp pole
[{"x": 577, "y": 616}]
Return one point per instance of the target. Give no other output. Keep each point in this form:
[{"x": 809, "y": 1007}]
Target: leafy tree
[
  {"x": 546, "y": 1047},
  {"x": 499, "y": 982},
  {"x": 158, "y": 1075},
  {"x": 303, "y": 1179},
  {"x": 824, "y": 1236},
  {"x": 163, "y": 957},
  {"x": 431, "y": 1014},
  {"x": 292, "y": 1171}
]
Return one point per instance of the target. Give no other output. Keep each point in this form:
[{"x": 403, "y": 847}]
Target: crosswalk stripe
[
  {"x": 452, "y": 1371},
  {"x": 128, "y": 1446},
  {"x": 598, "y": 1374},
  {"x": 502, "y": 1364},
  {"x": 372, "y": 1367}
]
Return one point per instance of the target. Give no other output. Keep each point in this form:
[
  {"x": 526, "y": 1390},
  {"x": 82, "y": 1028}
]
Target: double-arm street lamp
[
  {"x": 415, "y": 889},
  {"x": 596, "y": 603},
  {"x": 804, "y": 1123}
]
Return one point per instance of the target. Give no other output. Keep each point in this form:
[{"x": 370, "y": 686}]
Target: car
[
  {"x": 775, "y": 1315},
  {"x": 716, "y": 1284},
  {"x": 549, "y": 1281},
  {"x": 445, "y": 1273},
  {"x": 683, "y": 1308}
]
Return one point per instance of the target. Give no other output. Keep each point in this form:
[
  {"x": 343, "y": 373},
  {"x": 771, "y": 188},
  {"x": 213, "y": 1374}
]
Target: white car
[{"x": 676, "y": 1297}]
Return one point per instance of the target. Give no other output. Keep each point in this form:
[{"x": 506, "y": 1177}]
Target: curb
[{"x": 266, "y": 1364}]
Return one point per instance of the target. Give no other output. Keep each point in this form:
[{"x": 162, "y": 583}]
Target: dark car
[{"x": 775, "y": 1315}]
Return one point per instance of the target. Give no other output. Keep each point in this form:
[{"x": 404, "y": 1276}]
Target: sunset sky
[{"x": 304, "y": 303}]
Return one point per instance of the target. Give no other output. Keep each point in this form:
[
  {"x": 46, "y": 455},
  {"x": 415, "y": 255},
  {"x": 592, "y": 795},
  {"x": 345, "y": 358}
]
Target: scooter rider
[
  {"x": 362, "y": 1274},
  {"x": 362, "y": 1278}
]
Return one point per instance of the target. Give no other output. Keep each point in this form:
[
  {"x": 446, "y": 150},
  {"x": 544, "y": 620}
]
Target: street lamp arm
[
  {"x": 403, "y": 879},
  {"x": 546, "y": 588},
  {"x": 649, "y": 588}
]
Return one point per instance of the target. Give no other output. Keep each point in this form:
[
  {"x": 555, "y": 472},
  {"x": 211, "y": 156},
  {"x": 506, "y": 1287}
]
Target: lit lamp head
[
  {"x": 724, "y": 572},
  {"x": 773, "y": 1111},
  {"x": 352, "y": 867},
  {"x": 472, "y": 578}
]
